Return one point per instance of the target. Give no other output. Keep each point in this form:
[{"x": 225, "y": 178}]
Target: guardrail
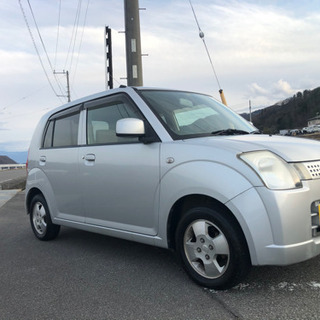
[{"x": 12, "y": 166}]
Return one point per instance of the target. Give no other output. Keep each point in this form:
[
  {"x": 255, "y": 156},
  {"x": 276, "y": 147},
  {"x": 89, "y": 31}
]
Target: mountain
[
  {"x": 18, "y": 157},
  {"x": 291, "y": 113},
  {"x": 6, "y": 160}
]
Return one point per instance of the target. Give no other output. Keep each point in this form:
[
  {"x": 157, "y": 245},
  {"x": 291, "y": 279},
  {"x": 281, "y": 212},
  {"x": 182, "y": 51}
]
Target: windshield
[{"x": 187, "y": 115}]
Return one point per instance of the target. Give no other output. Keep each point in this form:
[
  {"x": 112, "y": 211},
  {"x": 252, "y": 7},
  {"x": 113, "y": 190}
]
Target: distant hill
[
  {"x": 292, "y": 113},
  {"x": 17, "y": 157},
  {"x": 6, "y": 160}
]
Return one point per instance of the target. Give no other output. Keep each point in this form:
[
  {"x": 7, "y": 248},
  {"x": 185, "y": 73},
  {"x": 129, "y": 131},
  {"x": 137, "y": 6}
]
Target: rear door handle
[
  {"x": 89, "y": 157},
  {"x": 42, "y": 160}
]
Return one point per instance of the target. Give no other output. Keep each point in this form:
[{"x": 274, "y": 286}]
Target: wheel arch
[
  {"x": 31, "y": 194},
  {"x": 211, "y": 245},
  {"x": 195, "y": 200}
]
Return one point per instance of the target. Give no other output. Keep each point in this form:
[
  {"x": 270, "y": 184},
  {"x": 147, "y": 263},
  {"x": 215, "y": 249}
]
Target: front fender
[
  {"x": 207, "y": 178},
  {"x": 224, "y": 184}
]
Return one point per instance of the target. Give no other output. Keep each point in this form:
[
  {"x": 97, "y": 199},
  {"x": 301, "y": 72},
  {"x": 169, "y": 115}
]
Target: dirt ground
[{"x": 315, "y": 136}]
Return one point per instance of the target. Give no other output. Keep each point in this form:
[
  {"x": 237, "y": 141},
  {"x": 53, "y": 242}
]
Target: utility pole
[
  {"x": 68, "y": 86},
  {"x": 133, "y": 43}
]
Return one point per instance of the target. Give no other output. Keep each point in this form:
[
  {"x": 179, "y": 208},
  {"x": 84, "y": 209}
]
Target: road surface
[
  {"x": 82, "y": 275},
  {"x": 12, "y": 174}
]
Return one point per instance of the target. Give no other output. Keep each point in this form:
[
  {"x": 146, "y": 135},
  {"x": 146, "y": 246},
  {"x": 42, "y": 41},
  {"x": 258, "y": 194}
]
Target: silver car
[{"x": 176, "y": 170}]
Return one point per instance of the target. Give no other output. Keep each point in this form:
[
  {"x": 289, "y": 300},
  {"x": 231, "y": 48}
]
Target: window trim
[
  {"x": 57, "y": 116},
  {"x": 66, "y": 112},
  {"x": 45, "y": 134}
]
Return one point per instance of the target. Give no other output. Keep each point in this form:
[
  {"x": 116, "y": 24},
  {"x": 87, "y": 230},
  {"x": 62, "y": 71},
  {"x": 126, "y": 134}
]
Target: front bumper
[
  {"x": 289, "y": 254},
  {"x": 278, "y": 225}
]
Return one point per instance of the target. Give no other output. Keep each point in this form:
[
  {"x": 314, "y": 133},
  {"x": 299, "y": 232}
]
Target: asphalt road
[
  {"x": 13, "y": 179},
  {"x": 12, "y": 174},
  {"x": 82, "y": 275}
]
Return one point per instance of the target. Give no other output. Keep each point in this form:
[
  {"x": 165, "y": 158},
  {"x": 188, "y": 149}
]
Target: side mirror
[{"x": 130, "y": 127}]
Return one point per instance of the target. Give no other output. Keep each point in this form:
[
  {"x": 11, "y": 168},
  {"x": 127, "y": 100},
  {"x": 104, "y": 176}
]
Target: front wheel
[
  {"x": 40, "y": 220},
  {"x": 212, "y": 248}
]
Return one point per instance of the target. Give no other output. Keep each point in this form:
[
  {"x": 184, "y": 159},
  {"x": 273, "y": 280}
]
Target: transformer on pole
[{"x": 133, "y": 43}]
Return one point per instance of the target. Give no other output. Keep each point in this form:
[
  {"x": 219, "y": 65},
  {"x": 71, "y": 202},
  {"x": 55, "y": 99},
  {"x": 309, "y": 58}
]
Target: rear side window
[
  {"x": 62, "y": 130},
  {"x": 66, "y": 131}
]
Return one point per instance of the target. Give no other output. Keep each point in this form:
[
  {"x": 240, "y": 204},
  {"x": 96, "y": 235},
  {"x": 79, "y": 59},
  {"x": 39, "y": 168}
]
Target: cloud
[
  {"x": 18, "y": 145},
  {"x": 257, "y": 90},
  {"x": 268, "y": 95},
  {"x": 283, "y": 88},
  {"x": 261, "y": 51},
  {"x": 249, "y": 44}
]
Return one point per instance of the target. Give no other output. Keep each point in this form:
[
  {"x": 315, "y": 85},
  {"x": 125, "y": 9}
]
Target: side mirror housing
[{"x": 131, "y": 127}]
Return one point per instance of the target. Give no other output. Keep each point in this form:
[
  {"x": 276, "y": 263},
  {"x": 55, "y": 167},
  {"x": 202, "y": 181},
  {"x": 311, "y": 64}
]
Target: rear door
[
  {"x": 59, "y": 161},
  {"x": 119, "y": 176}
]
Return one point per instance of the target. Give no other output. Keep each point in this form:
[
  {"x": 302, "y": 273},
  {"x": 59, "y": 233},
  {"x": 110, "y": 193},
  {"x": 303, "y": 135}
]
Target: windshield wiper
[
  {"x": 228, "y": 132},
  {"x": 256, "y": 132}
]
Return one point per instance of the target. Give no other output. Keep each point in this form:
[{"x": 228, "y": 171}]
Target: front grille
[
  {"x": 313, "y": 168},
  {"x": 315, "y": 218}
]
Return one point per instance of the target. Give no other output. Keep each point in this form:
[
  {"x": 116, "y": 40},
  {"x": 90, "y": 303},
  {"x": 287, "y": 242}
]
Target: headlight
[{"x": 273, "y": 170}]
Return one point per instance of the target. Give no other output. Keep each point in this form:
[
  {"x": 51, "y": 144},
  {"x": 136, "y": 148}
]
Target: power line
[
  {"x": 80, "y": 44},
  {"x": 23, "y": 98},
  {"x": 43, "y": 46},
  {"x": 35, "y": 46},
  {"x": 58, "y": 34},
  {"x": 19, "y": 114},
  {"x": 72, "y": 45},
  {"x": 74, "y": 35},
  {"x": 77, "y": 21}
]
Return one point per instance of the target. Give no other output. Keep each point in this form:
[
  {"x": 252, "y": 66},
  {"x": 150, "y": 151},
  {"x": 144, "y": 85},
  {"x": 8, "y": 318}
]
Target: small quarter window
[{"x": 47, "y": 141}]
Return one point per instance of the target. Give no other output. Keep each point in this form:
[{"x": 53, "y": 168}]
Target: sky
[{"x": 263, "y": 51}]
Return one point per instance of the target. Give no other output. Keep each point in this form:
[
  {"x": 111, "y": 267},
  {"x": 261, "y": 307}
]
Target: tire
[
  {"x": 212, "y": 248},
  {"x": 40, "y": 220}
]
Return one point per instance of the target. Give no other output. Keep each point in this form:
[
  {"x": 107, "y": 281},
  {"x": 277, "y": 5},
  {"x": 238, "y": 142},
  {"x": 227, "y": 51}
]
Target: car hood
[{"x": 289, "y": 148}]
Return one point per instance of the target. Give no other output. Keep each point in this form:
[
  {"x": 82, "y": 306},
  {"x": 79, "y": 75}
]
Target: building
[
  {"x": 314, "y": 121},
  {"x": 7, "y": 163}
]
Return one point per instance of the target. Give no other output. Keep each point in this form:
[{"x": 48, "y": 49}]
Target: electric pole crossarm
[{"x": 68, "y": 85}]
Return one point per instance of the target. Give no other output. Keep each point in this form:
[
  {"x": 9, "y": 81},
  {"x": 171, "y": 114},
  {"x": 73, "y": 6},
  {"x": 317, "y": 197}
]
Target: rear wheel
[
  {"x": 40, "y": 220},
  {"x": 212, "y": 248}
]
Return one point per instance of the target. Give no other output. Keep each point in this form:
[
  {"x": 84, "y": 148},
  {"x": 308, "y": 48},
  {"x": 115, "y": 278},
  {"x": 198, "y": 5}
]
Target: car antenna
[{"x": 201, "y": 35}]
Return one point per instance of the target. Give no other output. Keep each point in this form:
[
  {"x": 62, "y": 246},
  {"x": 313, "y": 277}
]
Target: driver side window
[{"x": 102, "y": 116}]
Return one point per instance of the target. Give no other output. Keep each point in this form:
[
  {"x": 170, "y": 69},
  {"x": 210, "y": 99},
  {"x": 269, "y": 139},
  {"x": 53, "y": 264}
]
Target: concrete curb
[{"x": 17, "y": 183}]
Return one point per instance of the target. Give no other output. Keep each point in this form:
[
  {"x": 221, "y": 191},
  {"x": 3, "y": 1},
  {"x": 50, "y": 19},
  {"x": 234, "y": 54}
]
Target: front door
[{"x": 119, "y": 175}]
